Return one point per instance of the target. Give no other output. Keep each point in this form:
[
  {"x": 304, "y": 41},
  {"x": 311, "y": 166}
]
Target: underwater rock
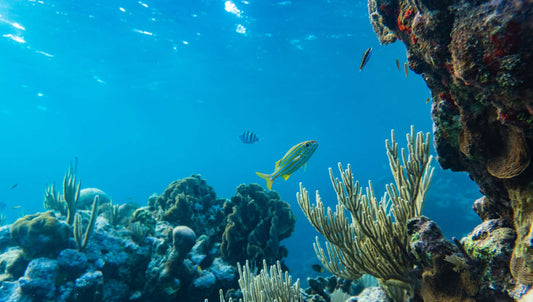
[
  {"x": 10, "y": 292},
  {"x": 257, "y": 221},
  {"x": 72, "y": 262},
  {"x": 440, "y": 278},
  {"x": 40, "y": 278},
  {"x": 477, "y": 57},
  {"x": 118, "y": 257},
  {"x": 491, "y": 244},
  {"x": 40, "y": 234},
  {"x": 202, "y": 286},
  {"x": 321, "y": 287},
  {"x": 89, "y": 287},
  {"x": 115, "y": 291},
  {"x": 371, "y": 294},
  {"x": 225, "y": 274},
  {"x": 87, "y": 195},
  {"x": 13, "y": 263},
  {"x": 5, "y": 237}
]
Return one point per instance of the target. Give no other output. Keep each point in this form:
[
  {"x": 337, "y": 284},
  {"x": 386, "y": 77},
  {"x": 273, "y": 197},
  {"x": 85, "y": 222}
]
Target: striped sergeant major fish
[
  {"x": 248, "y": 137},
  {"x": 296, "y": 157}
]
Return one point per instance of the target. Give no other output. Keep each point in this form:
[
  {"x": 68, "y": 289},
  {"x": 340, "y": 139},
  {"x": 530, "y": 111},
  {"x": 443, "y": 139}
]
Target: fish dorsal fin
[
  {"x": 276, "y": 165},
  {"x": 286, "y": 176}
]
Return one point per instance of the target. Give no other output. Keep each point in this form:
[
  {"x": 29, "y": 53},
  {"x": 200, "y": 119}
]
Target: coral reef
[
  {"x": 167, "y": 251},
  {"x": 257, "y": 221},
  {"x": 477, "y": 57}
]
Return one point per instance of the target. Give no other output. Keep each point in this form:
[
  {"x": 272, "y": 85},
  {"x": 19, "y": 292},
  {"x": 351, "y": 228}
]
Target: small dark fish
[
  {"x": 366, "y": 57},
  {"x": 317, "y": 268},
  {"x": 405, "y": 66},
  {"x": 398, "y": 64},
  {"x": 248, "y": 137},
  {"x": 427, "y": 100},
  {"x": 14, "y": 186}
]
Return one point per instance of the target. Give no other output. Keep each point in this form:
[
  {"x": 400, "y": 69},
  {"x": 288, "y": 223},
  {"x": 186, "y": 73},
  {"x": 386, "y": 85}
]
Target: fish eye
[{"x": 307, "y": 144}]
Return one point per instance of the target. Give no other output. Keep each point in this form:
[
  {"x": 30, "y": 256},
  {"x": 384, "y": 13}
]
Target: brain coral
[
  {"x": 257, "y": 221},
  {"x": 40, "y": 235}
]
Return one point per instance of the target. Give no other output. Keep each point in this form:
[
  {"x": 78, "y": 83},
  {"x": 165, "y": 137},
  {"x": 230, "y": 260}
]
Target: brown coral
[
  {"x": 477, "y": 57},
  {"x": 257, "y": 221}
]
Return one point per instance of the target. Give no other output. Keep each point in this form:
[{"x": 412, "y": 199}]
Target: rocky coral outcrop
[
  {"x": 477, "y": 57},
  {"x": 167, "y": 251}
]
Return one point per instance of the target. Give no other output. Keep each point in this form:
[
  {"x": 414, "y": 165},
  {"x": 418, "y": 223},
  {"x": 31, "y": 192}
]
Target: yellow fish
[{"x": 296, "y": 157}]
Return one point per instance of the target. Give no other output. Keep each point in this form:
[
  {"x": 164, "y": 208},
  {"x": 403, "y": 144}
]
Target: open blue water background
[{"x": 147, "y": 92}]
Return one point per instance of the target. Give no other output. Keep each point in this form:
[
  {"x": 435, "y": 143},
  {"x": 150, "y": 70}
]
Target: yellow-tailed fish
[
  {"x": 398, "y": 64},
  {"x": 296, "y": 157},
  {"x": 366, "y": 57},
  {"x": 406, "y": 69}
]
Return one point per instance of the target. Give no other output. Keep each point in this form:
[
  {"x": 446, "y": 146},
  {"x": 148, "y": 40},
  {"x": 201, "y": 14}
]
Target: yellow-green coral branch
[
  {"x": 373, "y": 240},
  {"x": 71, "y": 193}
]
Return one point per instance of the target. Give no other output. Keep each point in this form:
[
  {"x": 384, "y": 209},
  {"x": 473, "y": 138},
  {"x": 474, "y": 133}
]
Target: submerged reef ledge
[{"x": 477, "y": 59}]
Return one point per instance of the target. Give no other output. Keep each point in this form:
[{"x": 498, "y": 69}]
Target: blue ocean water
[{"x": 147, "y": 92}]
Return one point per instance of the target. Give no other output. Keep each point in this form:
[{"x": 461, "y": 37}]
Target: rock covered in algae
[
  {"x": 257, "y": 221},
  {"x": 491, "y": 244},
  {"x": 477, "y": 57},
  {"x": 442, "y": 278}
]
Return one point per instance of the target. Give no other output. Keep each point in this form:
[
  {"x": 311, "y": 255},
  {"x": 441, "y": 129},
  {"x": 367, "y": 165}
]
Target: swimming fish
[
  {"x": 248, "y": 137},
  {"x": 406, "y": 69},
  {"x": 427, "y": 100},
  {"x": 14, "y": 186},
  {"x": 296, "y": 157},
  {"x": 16, "y": 207},
  {"x": 398, "y": 64},
  {"x": 317, "y": 268},
  {"x": 366, "y": 57}
]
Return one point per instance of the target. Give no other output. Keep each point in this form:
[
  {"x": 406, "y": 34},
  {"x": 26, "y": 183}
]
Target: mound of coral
[{"x": 169, "y": 250}]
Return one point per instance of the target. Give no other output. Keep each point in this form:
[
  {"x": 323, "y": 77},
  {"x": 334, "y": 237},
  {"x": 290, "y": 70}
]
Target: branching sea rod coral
[
  {"x": 270, "y": 285},
  {"x": 375, "y": 240}
]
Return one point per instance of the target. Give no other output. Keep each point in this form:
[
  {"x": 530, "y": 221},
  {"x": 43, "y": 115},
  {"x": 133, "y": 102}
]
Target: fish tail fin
[{"x": 266, "y": 177}]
